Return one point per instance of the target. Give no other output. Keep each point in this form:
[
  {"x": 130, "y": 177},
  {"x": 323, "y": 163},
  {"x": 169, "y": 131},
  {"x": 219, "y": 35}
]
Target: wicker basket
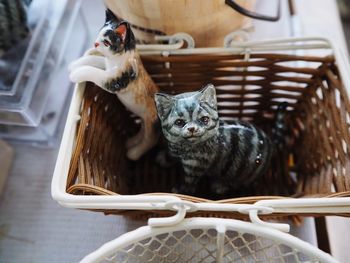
[{"x": 249, "y": 87}]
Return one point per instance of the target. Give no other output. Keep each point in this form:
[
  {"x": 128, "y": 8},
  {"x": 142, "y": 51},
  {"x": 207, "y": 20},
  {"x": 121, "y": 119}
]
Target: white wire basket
[{"x": 208, "y": 240}]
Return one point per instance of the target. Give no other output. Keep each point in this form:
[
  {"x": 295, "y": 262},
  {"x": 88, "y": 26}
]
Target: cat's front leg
[
  {"x": 165, "y": 160},
  {"x": 88, "y": 73},
  {"x": 136, "y": 139},
  {"x": 219, "y": 187},
  {"x": 149, "y": 138},
  {"x": 90, "y": 60}
]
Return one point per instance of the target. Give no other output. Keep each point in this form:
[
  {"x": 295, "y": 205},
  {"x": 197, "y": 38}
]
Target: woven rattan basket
[{"x": 92, "y": 170}]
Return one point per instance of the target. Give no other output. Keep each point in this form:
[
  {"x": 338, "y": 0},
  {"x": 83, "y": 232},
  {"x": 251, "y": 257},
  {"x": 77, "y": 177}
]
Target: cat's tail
[{"x": 279, "y": 129}]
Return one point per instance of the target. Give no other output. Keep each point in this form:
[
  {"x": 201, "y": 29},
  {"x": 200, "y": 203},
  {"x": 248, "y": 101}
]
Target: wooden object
[
  {"x": 6, "y": 157},
  {"x": 318, "y": 127},
  {"x": 207, "y": 21}
]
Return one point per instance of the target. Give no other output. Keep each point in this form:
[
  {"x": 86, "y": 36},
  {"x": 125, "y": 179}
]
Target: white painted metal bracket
[{"x": 183, "y": 207}]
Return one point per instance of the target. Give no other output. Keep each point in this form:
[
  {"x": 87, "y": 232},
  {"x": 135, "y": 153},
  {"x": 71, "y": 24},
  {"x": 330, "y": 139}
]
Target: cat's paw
[
  {"x": 164, "y": 160},
  {"x": 219, "y": 188},
  {"x": 133, "y": 141},
  {"x": 74, "y": 76},
  {"x": 134, "y": 154},
  {"x": 72, "y": 66},
  {"x": 75, "y": 64},
  {"x": 82, "y": 74}
]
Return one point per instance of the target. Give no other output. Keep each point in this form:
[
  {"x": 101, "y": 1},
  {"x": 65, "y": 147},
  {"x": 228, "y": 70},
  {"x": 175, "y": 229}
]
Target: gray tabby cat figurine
[
  {"x": 13, "y": 23},
  {"x": 230, "y": 156},
  {"x": 115, "y": 66}
]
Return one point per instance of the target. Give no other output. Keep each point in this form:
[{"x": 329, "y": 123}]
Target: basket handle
[
  {"x": 252, "y": 14},
  {"x": 169, "y": 221},
  {"x": 182, "y": 207}
]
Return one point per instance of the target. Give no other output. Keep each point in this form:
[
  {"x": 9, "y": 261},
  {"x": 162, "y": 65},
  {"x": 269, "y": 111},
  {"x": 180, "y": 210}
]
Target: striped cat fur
[{"x": 229, "y": 155}]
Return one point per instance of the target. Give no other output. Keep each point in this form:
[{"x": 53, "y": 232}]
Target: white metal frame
[
  {"x": 221, "y": 225},
  {"x": 168, "y": 202}
]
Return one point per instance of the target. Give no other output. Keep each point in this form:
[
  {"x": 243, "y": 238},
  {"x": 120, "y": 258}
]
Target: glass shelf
[
  {"x": 35, "y": 113},
  {"x": 54, "y": 43}
]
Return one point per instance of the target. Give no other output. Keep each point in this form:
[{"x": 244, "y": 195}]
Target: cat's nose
[
  {"x": 191, "y": 129},
  {"x": 96, "y": 44}
]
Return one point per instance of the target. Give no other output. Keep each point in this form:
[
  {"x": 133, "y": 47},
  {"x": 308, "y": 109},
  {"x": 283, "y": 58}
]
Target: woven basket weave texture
[{"x": 318, "y": 120}]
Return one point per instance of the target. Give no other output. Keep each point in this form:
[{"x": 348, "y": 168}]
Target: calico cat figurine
[
  {"x": 230, "y": 156},
  {"x": 115, "y": 66}
]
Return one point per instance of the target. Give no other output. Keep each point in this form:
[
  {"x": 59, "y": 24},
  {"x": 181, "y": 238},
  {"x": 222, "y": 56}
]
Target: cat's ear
[
  {"x": 110, "y": 16},
  {"x": 208, "y": 94},
  {"x": 164, "y": 103},
  {"x": 122, "y": 30}
]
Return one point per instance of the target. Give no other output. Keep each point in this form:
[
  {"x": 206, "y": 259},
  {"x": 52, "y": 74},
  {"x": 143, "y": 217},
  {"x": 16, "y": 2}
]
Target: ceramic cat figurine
[
  {"x": 231, "y": 156},
  {"x": 13, "y": 23},
  {"x": 120, "y": 71}
]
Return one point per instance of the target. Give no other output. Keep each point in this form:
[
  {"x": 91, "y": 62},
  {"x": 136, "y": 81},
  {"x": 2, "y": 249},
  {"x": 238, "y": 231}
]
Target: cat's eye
[
  {"x": 204, "y": 120},
  {"x": 106, "y": 43},
  {"x": 180, "y": 123}
]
